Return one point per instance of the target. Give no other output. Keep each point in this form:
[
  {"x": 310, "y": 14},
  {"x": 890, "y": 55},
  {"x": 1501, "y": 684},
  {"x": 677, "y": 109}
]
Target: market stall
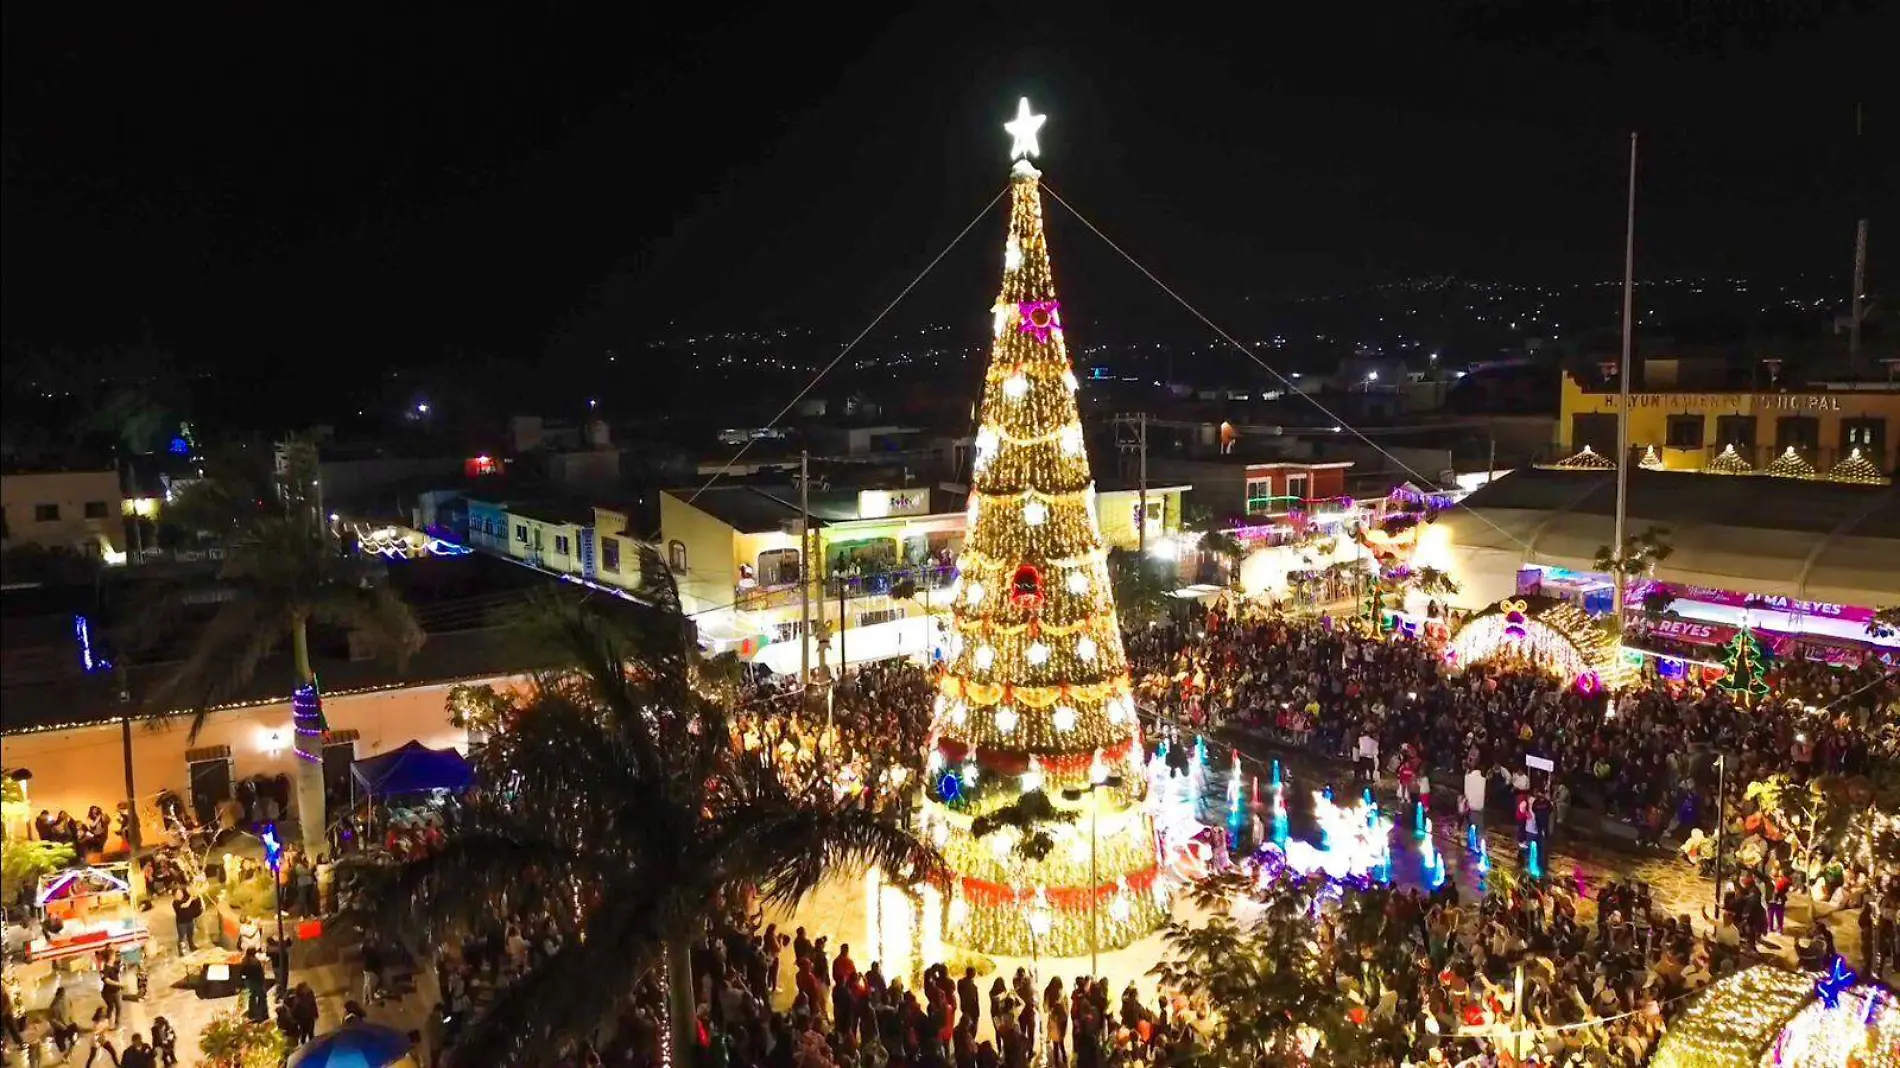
[{"x": 84, "y": 911}]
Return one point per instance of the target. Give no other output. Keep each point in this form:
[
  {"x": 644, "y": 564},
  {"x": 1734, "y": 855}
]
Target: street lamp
[{"x": 1099, "y": 778}]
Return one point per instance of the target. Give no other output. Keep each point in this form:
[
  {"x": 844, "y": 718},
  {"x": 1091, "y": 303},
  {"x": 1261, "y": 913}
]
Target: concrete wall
[
  {"x": 1116, "y": 509},
  {"x": 70, "y": 492},
  {"x": 78, "y": 767},
  {"x": 711, "y": 575}
]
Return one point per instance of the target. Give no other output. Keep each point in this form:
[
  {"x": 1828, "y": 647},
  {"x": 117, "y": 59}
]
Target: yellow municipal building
[{"x": 1849, "y": 432}]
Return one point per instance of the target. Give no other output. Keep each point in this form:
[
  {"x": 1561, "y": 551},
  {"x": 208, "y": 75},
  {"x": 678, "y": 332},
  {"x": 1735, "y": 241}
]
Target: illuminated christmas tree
[
  {"x": 1036, "y": 768},
  {"x": 1746, "y": 666}
]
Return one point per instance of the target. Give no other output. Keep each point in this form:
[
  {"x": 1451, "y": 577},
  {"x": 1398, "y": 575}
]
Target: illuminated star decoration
[
  {"x": 1022, "y": 130},
  {"x": 1037, "y": 318},
  {"x": 1838, "y": 979}
]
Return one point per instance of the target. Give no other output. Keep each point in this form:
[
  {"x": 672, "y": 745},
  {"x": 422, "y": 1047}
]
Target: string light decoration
[
  {"x": 1745, "y": 668},
  {"x": 1652, "y": 460},
  {"x": 1856, "y": 468},
  {"x": 1728, "y": 462},
  {"x": 1766, "y": 1015},
  {"x": 1588, "y": 459},
  {"x": 306, "y": 714},
  {"x": 1036, "y": 691},
  {"x": 1790, "y": 464},
  {"x": 1558, "y": 637}
]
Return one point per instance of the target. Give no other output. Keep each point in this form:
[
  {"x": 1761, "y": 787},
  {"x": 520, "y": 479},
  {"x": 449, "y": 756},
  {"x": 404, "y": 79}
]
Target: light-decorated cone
[{"x": 1034, "y": 700}]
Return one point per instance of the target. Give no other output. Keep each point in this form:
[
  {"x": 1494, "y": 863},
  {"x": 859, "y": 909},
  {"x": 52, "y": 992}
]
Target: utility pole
[
  {"x": 1142, "y": 534},
  {"x": 1860, "y": 285},
  {"x": 132, "y": 830},
  {"x": 804, "y": 570},
  {"x": 1860, "y": 254},
  {"x": 1621, "y": 577},
  {"x": 1721, "y": 826}
]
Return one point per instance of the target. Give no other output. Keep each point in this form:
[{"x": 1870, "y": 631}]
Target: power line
[
  {"x": 1250, "y": 354},
  {"x": 809, "y": 386}
]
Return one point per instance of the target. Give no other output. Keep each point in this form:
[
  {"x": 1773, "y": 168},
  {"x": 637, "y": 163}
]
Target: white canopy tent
[{"x": 1811, "y": 540}]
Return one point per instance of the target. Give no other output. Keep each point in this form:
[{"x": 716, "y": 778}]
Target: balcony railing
[{"x": 851, "y": 587}]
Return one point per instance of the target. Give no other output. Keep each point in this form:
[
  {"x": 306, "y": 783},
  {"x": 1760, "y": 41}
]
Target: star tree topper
[{"x": 1023, "y": 130}]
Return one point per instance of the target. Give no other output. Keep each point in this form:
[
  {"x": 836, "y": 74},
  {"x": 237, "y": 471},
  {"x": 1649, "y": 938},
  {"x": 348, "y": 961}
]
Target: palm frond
[
  {"x": 376, "y": 612},
  {"x": 223, "y": 660}
]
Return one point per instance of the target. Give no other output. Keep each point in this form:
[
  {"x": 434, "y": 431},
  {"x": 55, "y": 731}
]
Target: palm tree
[
  {"x": 1433, "y": 583},
  {"x": 1141, "y": 590},
  {"x": 615, "y": 783},
  {"x": 1264, "y": 975},
  {"x": 1885, "y": 622},
  {"x": 283, "y": 569}
]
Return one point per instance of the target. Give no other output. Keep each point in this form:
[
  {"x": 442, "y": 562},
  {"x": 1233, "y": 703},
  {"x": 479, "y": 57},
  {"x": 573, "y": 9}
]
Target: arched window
[{"x": 676, "y": 556}]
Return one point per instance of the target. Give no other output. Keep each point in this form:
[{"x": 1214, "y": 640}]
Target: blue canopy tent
[
  {"x": 355, "y": 1045},
  {"x": 412, "y": 769}
]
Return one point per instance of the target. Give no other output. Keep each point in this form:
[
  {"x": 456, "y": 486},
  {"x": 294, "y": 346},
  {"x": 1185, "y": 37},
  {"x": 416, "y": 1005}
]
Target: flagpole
[{"x": 1623, "y": 398}]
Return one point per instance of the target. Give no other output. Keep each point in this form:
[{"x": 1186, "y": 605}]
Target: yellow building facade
[
  {"x": 1818, "y": 433},
  {"x": 735, "y": 557}
]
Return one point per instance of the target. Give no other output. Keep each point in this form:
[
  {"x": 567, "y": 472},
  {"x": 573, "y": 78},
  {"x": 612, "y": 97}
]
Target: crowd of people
[
  {"x": 1646, "y": 755},
  {"x": 770, "y": 999},
  {"x": 875, "y": 720},
  {"x": 1560, "y": 971}
]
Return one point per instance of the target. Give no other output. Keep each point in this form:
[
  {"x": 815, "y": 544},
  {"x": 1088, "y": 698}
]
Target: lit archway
[{"x": 1553, "y": 636}]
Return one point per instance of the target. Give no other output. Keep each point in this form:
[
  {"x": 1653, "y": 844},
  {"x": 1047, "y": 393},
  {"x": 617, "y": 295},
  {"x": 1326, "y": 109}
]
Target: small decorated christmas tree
[
  {"x": 1746, "y": 664},
  {"x": 1036, "y": 776}
]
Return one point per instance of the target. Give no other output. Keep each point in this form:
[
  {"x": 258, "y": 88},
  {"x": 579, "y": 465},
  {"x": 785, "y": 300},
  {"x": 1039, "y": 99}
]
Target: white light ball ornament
[
  {"x": 1037, "y": 654},
  {"x": 1006, "y": 719},
  {"x": 1069, "y": 382},
  {"x": 1016, "y": 387},
  {"x": 1035, "y": 513},
  {"x": 986, "y": 442},
  {"x": 1012, "y": 254},
  {"x": 1085, "y": 648},
  {"x": 1070, "y": 438},
  {"x": 973, "y": 593},
  {"x": 985, "y": 657},
  {"x": 1064, "y": 718},
  {"x": 1077, "y": 583}
]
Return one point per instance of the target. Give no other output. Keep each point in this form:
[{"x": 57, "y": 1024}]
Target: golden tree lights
[
  {"x": 1769, "y": 1016},
  {"x": 1035, "y": 693}
]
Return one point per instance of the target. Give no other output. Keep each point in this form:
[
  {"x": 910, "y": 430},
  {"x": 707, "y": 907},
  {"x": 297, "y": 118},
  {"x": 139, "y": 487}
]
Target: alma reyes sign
[{"x": 1740, "y": 403}]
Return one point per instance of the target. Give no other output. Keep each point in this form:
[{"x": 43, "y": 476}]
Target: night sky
[{"x": 362, "y": 187}]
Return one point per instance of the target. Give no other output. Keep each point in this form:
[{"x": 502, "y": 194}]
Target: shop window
[
  {"x": 521, "y": 533},
  {"x": 610, "y": 554},
  {"x": 1867, "y": 435},
  {"x": 1736, "y": 430},
  {"x": 865, "y": 556},
  {"x": 882, "y": 615},
  {"x": 560, "y": 544},
  {"x": 1595, "y": 429},
  {"x": 1797, "y": 431},
  {"x": 778, "y": 567},
  {"x": 1259, "y": 496},
  {"x": 95, "y": 509},
  {"x": 46, "y": 513},
  {"x": 1684, "y": 432}
]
